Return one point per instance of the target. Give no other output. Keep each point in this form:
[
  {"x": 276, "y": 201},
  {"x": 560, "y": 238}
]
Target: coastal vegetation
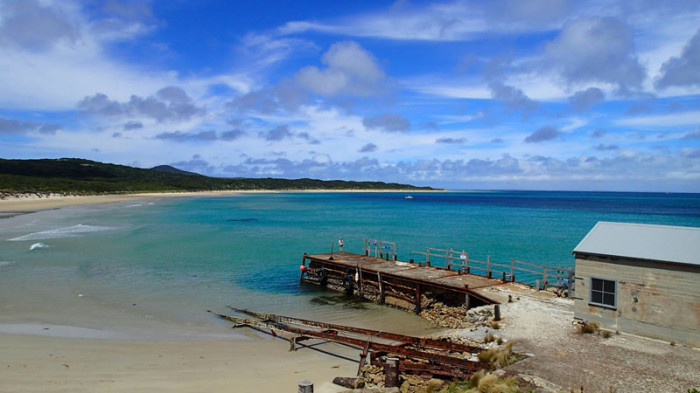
[{"x": 84, "y": 177}]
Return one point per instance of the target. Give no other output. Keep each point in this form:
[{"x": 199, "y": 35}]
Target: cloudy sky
[{"x": 498, "y": 94}]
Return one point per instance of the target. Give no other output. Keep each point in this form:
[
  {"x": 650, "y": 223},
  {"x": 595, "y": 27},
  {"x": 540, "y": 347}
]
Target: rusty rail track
[
  {"x": 420, "y": 342},
  {"x": 417, "y": 355}
]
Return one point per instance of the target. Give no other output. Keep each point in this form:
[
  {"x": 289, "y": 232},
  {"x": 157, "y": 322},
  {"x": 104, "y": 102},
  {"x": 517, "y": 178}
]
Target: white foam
[
  {"x": 5, "y": 263},
  {"x": 72, "y": 231},
  {"x": 37, "y": 245}
]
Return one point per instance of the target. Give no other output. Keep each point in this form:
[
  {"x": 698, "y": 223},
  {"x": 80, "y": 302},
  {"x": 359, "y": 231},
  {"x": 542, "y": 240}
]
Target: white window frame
[{"x": 603, "y": 293}]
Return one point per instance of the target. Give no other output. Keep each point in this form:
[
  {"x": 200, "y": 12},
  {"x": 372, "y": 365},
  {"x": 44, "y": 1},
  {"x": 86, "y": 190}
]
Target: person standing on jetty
[{"x": 340, "y": 244}]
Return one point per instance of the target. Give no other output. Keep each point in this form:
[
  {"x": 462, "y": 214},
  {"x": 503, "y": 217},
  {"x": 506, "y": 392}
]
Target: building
[{"x": 640, "y": 279}]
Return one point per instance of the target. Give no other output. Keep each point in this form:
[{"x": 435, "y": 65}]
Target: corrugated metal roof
[{"x": 643, "y": 241}]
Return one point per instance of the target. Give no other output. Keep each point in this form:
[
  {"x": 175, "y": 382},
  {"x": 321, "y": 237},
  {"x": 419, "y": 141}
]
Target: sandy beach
[
  {"x": 54, "y": 201},
  {"x": 57, "y": 364},
  {"x": 33, "y": 202}
]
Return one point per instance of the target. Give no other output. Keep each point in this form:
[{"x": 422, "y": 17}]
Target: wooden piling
[
  {"x": 418, "y": 299},
  {"x": 391, "y": 373},
  {"x": 381, "y": 288},
  {"x": 359, "y": 270},
  {"x": 306, "y": 386}
]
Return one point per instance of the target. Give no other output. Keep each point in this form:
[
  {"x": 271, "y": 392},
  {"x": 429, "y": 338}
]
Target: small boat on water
[{"x": 408, "y": 197}]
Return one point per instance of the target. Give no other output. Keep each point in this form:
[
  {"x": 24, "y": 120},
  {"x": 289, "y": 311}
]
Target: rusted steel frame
[
  {"x": 432, "y": 284},
  {"x": 434, "y": 358},
  {"x": 413, "y": 340},
  {"x": 363, "y": 357},
  {"x": 421, "y": 368},
  {"x": 408, "y": 366}
]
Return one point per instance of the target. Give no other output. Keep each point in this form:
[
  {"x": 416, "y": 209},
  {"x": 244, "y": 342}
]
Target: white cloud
[
  {"x": 596, "y": 49},
  {"x": 667, "y": 120},
  {"x": 350, "y": 71},
  {"x": 70, "y": 61},
  {"x": 683, "y": 70},
  {"x": 454, "y": 21},
  {"x": 478, "y": 92}
]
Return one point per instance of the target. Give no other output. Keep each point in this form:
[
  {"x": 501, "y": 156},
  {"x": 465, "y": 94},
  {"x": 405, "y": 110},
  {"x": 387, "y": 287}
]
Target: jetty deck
[{"x": 404, "y": 284}]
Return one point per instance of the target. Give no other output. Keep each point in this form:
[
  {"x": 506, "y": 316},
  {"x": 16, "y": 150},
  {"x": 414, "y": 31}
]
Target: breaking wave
[
  {"x": 73, "y": 231},
  {"x": 37, "y": 246}
]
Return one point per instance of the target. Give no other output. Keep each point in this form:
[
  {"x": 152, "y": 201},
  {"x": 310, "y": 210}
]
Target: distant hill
[
  {"x": 172, "y": 169},
  {"x": 79, "y": 176}
]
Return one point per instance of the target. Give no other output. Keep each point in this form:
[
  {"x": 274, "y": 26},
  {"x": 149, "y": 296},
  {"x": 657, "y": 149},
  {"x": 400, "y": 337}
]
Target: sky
[{"x": 497, "y": 94}]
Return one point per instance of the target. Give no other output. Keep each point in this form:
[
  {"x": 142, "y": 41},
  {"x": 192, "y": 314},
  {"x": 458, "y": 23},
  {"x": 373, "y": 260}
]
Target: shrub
[
  {"x": 589, "y": 327},
  {"x": 482, "y": 382},
  {"x": 498, "y": 357}
]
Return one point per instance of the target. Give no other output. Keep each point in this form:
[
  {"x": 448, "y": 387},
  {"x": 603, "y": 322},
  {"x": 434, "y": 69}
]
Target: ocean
[{"x": 158, "y": 265}]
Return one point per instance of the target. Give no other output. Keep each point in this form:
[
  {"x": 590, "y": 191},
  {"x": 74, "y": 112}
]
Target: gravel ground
[{"x": 560, "y": 359}]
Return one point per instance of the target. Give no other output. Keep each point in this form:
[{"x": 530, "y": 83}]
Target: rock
[
  {"x": 349, "y": 382},
  {"x": 436, "y": 384}
]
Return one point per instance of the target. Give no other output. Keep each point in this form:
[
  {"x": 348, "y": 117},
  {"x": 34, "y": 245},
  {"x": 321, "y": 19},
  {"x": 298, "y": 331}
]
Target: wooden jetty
[{"x": 412, "y": 285}]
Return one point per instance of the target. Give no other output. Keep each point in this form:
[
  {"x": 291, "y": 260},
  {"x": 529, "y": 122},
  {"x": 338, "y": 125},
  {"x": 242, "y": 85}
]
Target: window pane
[
  {"x": 609, "y": 299},
  {"x": 609, "y": 286},
  {"x": 596, "y": 297},
  {"x": 596, "y": 284}
]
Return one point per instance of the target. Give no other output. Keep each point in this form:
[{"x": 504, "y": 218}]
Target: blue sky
[{"x": 501, "y": 94}]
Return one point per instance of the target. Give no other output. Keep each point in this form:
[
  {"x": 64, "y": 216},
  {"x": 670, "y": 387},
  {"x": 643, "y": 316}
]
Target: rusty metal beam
[
  {"x": 422, "y": 342},
  {"x": 435, "y": 359}
]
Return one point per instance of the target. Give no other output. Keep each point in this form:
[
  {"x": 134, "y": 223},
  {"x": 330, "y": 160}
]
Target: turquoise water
[{"x": 171, "y": 259}]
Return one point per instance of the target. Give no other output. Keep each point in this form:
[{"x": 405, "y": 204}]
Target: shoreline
[{"x": 25, "y": 203}]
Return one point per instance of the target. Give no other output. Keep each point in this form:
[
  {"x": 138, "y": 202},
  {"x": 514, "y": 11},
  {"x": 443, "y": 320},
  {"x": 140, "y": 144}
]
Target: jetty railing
[
  {"x": 380, "y": 248},
  {"x": 459, "y": 260}
]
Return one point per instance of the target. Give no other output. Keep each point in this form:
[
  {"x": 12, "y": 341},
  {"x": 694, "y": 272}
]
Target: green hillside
[{"x": 79, "y": 176}]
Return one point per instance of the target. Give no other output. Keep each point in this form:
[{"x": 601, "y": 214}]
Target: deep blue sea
[{"x": 170, "y": 259}]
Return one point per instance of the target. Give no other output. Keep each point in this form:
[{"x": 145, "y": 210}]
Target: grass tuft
[
  {"x": 498, "y": 357},
  {"x": 589, "y": 327}
]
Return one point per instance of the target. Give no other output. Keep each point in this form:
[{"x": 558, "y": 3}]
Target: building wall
[{"x": 654, "y": 299}]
